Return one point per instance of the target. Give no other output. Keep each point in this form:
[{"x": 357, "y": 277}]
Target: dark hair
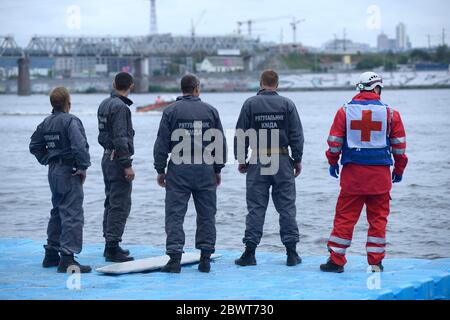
[
  {"x": 269, "y": 78},
  {"x": 123, "y": 81},
  {"x": 189, "y": 82},
  {"x": 59, "y": 98}
]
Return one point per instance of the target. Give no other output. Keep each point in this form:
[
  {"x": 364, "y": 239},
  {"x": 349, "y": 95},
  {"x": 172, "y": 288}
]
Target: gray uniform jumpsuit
[
  {"x": 258, "y": 112},
  {"x": 60, "y": 142},
  {"x": 185, "y": 179},
  {"x": 116, "y": 136}
]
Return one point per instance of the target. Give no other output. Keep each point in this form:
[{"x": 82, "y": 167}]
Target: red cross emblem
[{"x": 366, "y": 125}]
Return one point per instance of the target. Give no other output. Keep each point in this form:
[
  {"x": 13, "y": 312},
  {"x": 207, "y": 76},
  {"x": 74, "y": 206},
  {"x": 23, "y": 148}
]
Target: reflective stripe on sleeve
[
  {"x": 398, "y": 151},
  {"x": 375, "y": 250},
  {"x": 376, "y": 240},
  {"x": 340, "y": 241},
  {"x": 335, "y": 139},
  {"x": 398, "y": 140},
  {"x": 335, "y": 149},
  {"x": 337, "y": 250}
]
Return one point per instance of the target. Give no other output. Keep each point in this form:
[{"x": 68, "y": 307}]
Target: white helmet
[{"x": 369, "y": 81}]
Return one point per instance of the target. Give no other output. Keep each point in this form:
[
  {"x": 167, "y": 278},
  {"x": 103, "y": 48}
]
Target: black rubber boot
[
  {"x": 68, "y": 261},
  {"x": 248, "y": 258},
  {"x": 114, "y": 254},
  {"x": 331, "y": 267},
  {"x": 205, "y": 263},
  {"x": 174, "y": 264},
  {"x": 125, "y": 252},
  {"x": 51, "y": 258},
  {"x": 378, "y": 268},
  {"x": 293, "y": 258}
]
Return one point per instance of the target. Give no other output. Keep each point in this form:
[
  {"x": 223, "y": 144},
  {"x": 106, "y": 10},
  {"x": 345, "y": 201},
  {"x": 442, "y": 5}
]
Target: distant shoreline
[
  {"x": 334, "y": 89},
  {"x": 247, "y": 82},
  {"x": 329, "y": 89}
]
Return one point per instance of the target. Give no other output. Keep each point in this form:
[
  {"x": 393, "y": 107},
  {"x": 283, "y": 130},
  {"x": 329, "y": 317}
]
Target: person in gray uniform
[
  {"x": 186, "y": 130},
  {"x": 278, "y": 119},
  {"x": 116, "y": 136},
  {"x": 60, "y": 142}
]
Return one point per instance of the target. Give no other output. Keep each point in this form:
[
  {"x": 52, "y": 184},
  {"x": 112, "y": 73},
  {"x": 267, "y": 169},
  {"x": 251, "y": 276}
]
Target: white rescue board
[{"x": 149, "y": 264}]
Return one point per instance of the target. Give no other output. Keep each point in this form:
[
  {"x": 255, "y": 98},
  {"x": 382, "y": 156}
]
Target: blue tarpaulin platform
[{"x": 22, "y": 277}]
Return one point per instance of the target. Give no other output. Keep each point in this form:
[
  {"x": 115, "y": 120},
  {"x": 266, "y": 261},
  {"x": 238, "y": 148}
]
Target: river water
[{"x": 419, "y": 224}]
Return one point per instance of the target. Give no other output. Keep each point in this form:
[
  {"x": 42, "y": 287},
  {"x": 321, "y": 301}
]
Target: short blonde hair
[{"x": 59, "y": 98}]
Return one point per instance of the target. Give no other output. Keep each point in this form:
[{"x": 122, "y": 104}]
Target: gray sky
[{"x": 324, "y": 18}]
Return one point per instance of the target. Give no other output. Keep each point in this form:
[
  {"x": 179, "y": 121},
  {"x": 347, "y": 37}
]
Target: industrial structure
[
  {"x": 153, "y": 19},
  {"x": 157, "y": 54},
  {"x": 104, "y": 55},
  {"x": 143, "y": 56},
  {"x": 161, "y": 55},
  {"x": 251, "y": 22}
]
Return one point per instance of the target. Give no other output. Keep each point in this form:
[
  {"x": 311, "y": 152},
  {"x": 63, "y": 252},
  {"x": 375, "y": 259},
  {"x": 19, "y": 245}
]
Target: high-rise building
[
  {"x": 402, "y": 38},
  {"x": 393, "y": 45},
  {"x": 383, "y": 43},
  {"x": 408, "y": 43}
]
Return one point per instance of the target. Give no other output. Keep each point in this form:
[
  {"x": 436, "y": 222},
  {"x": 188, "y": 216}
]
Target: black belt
[{"x": 274, "y": 151}]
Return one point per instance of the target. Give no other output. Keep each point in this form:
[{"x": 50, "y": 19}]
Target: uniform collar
[
  {"x": 125, "y": 100},
  {"x": 188, "y": 98},
  {"x": 57, "y": 111},
  {"x": 266, "y": 92},
  {"x": 366, "y": 96}
]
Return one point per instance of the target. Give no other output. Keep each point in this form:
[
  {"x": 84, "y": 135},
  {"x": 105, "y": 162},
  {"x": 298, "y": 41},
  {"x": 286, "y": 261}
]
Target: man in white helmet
[{"x": 366, "y": 135}]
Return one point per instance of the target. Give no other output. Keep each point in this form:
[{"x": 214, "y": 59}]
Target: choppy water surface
[{"x": 419, "y": 225}]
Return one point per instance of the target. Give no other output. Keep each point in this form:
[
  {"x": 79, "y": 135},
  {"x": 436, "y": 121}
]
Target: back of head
[
  {"x": 59, "y": 98},
  {"x": 123, "y": 81},
  {"x": 368, "y": 81},
  {"x": 269, "y": 78},
  {"x": 189, "y": 83}
]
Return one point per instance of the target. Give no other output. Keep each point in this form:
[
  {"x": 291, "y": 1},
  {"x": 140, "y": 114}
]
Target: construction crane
[
  {"x": 251, "y": 22},
  {"x": 195, "y": 25},
  {"x": 294, "y": 24}
]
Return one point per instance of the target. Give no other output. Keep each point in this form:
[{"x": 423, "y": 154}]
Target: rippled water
[{"x": 419, "y": 225}]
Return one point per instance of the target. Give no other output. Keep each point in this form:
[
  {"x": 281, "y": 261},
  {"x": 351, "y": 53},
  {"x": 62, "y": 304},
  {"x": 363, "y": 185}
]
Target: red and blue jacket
[{"x": 359, "y": 175}]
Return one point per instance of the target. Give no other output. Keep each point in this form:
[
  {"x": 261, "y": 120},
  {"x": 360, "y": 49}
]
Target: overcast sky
[{"x": 363, "y": 20}]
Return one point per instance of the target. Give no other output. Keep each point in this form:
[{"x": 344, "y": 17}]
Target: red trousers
[{"x": 348, "y": 211}]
